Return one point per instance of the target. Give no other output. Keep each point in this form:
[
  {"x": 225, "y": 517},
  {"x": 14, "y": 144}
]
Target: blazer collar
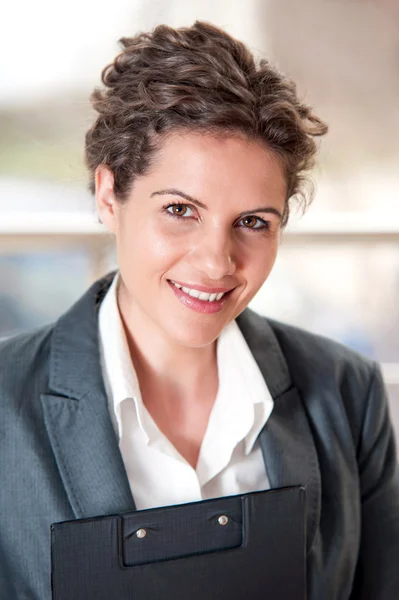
[
  {"x": 77, "y": 416},
  {"x": 264, "y": 346},
  {"x": 83, "y": 439},
  {"x": 75, "y": 352}
]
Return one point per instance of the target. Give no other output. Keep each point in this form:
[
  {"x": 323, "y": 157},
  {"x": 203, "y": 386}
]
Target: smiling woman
[{"x": 160, "y": 387}]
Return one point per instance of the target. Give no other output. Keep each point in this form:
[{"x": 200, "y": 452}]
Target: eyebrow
[
  {"x": 176, "y": 192},
  {"x": 263, "y": 209}
]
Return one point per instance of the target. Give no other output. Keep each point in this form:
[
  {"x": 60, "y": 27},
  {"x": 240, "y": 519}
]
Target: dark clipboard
[{"x": 246, "y": 546}]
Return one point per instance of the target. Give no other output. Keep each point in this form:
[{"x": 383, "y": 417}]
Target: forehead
[{"x": 205, "y": 164}]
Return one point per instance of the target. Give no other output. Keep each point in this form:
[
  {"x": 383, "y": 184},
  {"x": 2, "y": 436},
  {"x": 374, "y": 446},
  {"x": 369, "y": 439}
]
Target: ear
[{"x": 107, "y": 205}]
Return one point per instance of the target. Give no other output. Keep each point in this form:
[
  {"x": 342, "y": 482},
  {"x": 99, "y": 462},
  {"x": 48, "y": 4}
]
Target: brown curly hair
[{"x": 196, "y": 78}]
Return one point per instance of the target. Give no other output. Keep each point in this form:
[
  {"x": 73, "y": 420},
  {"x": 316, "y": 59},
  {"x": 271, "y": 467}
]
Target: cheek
[
  {"x": 260, "y": 261},
  {"x": 146, "y": 250}
]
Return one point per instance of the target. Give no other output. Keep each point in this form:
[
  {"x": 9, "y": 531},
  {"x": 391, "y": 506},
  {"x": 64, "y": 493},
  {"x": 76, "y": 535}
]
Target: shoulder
[
  {"x": 25, "y": 346},
  {"x": 306, "y": 351},
  {"x": 24, "y": 364}
]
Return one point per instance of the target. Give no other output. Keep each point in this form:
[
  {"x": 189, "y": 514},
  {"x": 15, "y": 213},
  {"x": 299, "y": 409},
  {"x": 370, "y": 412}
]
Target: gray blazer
[{"x": 329, "y": 431}]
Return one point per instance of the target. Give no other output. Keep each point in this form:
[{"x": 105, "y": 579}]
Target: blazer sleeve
[{"x": 377, "y": 573}]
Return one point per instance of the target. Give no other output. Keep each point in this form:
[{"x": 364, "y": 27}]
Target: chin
[{"x": 196, "y": 336}]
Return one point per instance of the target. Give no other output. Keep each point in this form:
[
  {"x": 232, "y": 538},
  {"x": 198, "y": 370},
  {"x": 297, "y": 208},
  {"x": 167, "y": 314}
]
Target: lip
[
  {"x": 201, "y": 306},
  {"x": 202, "y": 288}
]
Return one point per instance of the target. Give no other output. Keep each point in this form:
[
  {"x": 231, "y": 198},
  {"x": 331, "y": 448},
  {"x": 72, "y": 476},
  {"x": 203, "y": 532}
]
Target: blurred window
[
  {"x": 36, "y": 287},
  {"x": 347, "y": 290}
]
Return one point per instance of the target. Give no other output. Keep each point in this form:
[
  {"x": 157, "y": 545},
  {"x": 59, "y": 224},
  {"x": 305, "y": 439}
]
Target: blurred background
[{"x": 338, "y": 269}]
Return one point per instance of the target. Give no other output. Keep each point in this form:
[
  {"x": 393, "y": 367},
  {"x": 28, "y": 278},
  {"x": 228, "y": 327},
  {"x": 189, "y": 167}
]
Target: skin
[{"x": 173, "y": 347}]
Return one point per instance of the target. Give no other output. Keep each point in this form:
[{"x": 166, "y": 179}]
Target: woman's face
[{"x": 204, "y": 220}]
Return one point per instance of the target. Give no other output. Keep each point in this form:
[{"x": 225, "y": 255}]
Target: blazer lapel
[
  {"x": 286, "y": 440},
  {"x": 77, "y": 416}
]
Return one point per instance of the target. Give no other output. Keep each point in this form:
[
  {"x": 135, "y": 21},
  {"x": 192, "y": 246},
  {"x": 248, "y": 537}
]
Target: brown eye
[
  {"x": 179, "y": 209},
  {"x": 250, "y": 222},
  {"x": 254, "y": 223}
]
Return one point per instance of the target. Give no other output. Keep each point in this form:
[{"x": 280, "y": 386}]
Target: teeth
[
  {"x": 200, "y": 295},
  {"x": 204, "y": 296}
]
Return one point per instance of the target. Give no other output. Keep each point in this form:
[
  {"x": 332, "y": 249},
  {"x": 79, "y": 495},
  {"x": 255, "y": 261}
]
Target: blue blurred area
[{"x": 36, "y": 288}]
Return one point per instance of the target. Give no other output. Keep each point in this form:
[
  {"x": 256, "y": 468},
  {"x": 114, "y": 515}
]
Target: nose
[{"x": 213, "y": 255}]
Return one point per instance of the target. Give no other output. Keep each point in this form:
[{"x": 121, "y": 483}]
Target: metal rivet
[
  {"x": 223, "y": 520},
  {"x": 141, "y": 533}
]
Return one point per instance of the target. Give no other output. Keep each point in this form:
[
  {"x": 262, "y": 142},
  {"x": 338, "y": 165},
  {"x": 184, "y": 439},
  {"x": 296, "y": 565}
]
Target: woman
[{"x": 159, "y": 387}]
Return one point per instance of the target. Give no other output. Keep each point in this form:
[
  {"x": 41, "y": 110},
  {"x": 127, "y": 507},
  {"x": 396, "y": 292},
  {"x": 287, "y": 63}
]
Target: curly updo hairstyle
[{"x": 196, "y": 79}]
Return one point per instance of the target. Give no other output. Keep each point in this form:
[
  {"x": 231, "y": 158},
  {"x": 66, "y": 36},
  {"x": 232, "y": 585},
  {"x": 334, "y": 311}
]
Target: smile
[
  {"x": 204, "y": 296},
  {"x": 199, "y": 300}
]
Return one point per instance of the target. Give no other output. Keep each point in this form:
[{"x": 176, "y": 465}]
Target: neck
[{"x": 157, "y": 358}]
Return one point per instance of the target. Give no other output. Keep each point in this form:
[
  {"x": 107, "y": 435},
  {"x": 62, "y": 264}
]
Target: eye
[
  {"x": 179, "y": 210},
  {"x": 251, "y": 222}
]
